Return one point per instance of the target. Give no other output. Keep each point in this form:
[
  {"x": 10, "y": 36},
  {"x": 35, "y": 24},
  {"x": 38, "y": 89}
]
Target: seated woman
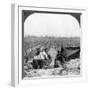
[
  {"x": 60, "y": 59},
  {"x": 37, "y": 60}
]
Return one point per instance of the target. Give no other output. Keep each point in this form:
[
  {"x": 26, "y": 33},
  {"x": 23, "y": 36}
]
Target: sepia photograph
[{"x": 51, "y": 44}]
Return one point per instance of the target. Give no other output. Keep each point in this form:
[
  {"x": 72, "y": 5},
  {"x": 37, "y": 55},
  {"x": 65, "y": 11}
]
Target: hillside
[{"x": 32, "y": 41}]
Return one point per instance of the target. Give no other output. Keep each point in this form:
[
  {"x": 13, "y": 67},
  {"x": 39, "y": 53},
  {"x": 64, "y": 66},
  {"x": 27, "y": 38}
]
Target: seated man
[
  {"x": 43, "y": 54},
  {"x": 44, "y": 57}
]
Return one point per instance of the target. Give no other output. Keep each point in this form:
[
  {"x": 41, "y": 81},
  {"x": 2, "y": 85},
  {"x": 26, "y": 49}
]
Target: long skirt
[{"x": 38, "y": 64}]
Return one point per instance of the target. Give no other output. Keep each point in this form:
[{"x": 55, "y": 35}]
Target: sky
[{"x": 57, "y": 25}]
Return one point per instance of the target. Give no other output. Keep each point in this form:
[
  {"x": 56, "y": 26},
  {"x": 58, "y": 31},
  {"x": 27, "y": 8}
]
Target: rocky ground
[{"x": 71, "y": 68}]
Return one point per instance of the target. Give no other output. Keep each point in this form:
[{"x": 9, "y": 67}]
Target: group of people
[{"x": 42, "y": 59}]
